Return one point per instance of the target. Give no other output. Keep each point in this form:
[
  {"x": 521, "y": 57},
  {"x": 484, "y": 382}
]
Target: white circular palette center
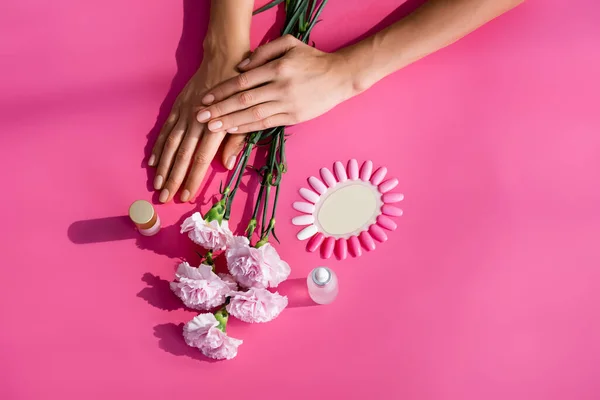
[{"x": 347, "y": 211}]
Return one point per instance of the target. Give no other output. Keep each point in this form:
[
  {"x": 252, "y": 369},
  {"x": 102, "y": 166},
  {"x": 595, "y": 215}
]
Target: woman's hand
[
  {"x": 184, "y": 143},
  {"x": 283, "y": 83}
]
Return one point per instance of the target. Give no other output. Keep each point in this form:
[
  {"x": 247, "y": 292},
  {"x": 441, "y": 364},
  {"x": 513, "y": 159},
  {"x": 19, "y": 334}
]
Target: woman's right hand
[{"x": 283, "y": 82}]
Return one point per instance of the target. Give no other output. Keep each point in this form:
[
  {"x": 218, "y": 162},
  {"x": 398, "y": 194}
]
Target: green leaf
[
  {"x": 275, "y": 236},
  {"x": 268, "y": 6}
]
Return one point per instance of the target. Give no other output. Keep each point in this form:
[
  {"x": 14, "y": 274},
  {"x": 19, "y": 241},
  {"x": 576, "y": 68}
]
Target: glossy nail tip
[
  {"x": 164, "y": 196},
  {"x": 392, "y": 198},
  {"x": 316, "y": 184},
  {"x": 377, "y": 233},
  {"x": 378, "y": 176},
  {"x": 341, "y": 249},
  {"x": 328, "y": 177},
  {"x": 304, "y": 207},
  {"x": 303, "y": 220},
  {"x": 366, "y": 170},
  {"x": 391, "y": 210},
  {"x": 307, "y": 232},
  {"x": 152, "y": 160},
  {"x": 388, "y": 185},
  {"x": 386, "y": 223},
  {"x": 340, "y": 171},
  {"x": 309, "y": 195},
  {"x": 158, "y": 182},
  {"x": 354, "y": 247},
  {"x": 185, "y": 195},
  {"x": 353, "y": 169},
  {"x": 315, "y": 242},
  {"x": 367, "y": 241},
  {"x": 327, "y": 248}
]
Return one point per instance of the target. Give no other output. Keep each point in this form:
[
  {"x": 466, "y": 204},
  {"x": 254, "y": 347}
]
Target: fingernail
[
  {"x": 158, "y": 182},
  {"x": 214, "y": 125},
  {"x": 245, "y": 62},
  {"x": 151, "y": 160},
  {"x": 164, "y": 195},
  {"x": 231, "y": 130},
  {"x": 185, "y": 195},
  {"x": 230, "y": 162},
  {"x": 204, "y": 116},
  {"x": 208, "y": 99}
]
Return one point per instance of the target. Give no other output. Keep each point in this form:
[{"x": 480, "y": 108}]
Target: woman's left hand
[{"x": 283, "y": 82}]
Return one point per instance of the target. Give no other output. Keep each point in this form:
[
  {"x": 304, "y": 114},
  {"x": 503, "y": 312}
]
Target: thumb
[
  {"x": 233, "y": 146},
  {"x": 269, "y": 52}
]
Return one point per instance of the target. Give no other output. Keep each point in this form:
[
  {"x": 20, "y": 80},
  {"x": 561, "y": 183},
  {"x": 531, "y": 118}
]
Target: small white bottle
[{"x": 322, "y": 285}]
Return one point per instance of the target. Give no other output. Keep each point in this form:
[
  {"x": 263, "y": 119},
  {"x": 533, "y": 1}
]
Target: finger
[
  {"x": 268, "y": 52},
  {"x": 243, "y": 81},
  {"x": 238, "y": 102},
  {"x": 208, "y": 147},
  {"x": 182, "y": 162},
  {"x": 172, "y": 142},
  {"x": 162, "y": 136},
  {"x": 267, "y": 123},
  {"x": 252, "y": 114},
  {"x": 234, "y": 144}
]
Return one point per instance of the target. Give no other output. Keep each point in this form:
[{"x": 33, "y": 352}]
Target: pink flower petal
[
  {"x": 354, "y": 247},
  {"x": 340, "y": 171},
  {"x": 392, "y": 197},
  {"x": 377, "y": 233},
  {"x": 327, "y": 248},
  {"x": 309, "y": 195},
  {"x": 378, "y": 176},
  {"x": 353, "y": 169},
  {"x": 366, "y": 170},
  {"x": 386, "y": 223},
  {"x": 367, "y": 241},
  {"x": 341, "y": 249},
  {"x": 391, "y": 210},
  {"x": 317, "y": 185},
  {"x": 315, "y": 242},
  {"x": 328, "y": 177},
  {"x": 304, "y": 207},
  {"x": 388, "y": 185}
]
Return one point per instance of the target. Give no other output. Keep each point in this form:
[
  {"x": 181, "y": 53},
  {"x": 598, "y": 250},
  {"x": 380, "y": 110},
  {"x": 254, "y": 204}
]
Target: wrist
[{"x": 226, "y": 49}]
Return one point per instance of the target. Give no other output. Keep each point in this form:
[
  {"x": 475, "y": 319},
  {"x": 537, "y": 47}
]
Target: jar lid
[
  {"x": 142, "y": 214},
  {"x": 321, "y": 276}
]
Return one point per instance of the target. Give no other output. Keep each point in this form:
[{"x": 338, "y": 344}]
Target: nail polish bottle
[
  {"x": 322, "y": 285},
  {"x": 144, "y": 217}
]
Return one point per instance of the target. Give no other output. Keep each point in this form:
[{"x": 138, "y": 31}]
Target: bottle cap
[
  {"x": 321, "y": 276},
  {"x": 142, "y": 214}
]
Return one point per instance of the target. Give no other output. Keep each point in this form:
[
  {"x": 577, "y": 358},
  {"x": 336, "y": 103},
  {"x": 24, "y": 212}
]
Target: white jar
[{"x": 322, "y": 285}]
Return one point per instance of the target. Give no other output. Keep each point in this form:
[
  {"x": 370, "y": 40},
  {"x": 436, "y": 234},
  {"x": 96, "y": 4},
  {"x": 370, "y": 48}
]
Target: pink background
[{"x": 489, "y": 289}]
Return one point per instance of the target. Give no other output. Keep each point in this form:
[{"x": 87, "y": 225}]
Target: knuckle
[
  {"x": 258, "y": 113},
  {"x": 201, "y": 158},
  {"x": 171, "y": 142},
  {"x": 242, "y": 81},
  {"x": 289, "y": 38},
  {"x": 283, "y": 67},
  {"x": 245, "y": 98},
  {"x": 183, "y": 154},
  {"x": 268, "y": 123},
  {"x": 174, "y": 182}
]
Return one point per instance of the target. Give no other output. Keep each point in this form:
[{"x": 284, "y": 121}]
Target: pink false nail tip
[
  {"x": 341, "y": 249},
  {"x": 353, "y": 169},
  {"x": 304, "y": 207},
  {"x": 377, "y": 233},
  {"x": 307, "y": 232},
  {"x": 366, "y": 170},
  {"x": 327, "y": 248},
  {"x": 367, "y": 241},
  {"x": 354, "y": 247},
  {"x": 386, "y": 223},
  {"x": 328, "y": 177},
  {"x": 388, "y": 185},
  {"x": 378, "y": 176},
  {"x": 392, "y": 197},
  {"x": 317, "y": 185},
  {"x": 309, "y": 195},
  {"x": 315, "y": 242},
  {"x": 302, "y": 220},
  {"x": 340, "y": 171},
  {"x": 391, "y": 210}
]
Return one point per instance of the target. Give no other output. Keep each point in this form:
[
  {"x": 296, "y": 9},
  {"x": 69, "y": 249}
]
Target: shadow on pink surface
[{"x": 170, "y": 339}]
